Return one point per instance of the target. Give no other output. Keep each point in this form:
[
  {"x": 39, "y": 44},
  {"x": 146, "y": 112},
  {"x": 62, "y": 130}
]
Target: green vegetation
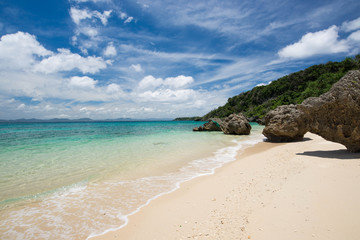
[
  {"x": 188, "y": 119},
  {"x": 290, "y": 89}
]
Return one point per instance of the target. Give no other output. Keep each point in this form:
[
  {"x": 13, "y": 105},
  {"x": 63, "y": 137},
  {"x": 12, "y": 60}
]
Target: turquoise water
[{"x": 75, "y": 180}]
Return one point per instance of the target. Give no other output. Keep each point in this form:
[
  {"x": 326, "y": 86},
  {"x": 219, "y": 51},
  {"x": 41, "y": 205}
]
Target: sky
[{"x": 106, "y": 59}]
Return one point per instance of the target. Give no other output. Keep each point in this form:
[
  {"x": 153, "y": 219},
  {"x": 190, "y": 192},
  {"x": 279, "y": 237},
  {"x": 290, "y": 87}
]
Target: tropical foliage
[{"x": 290, "y": 89}]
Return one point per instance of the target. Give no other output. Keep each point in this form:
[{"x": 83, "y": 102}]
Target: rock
[
  {"x": 253, "y": 119},
  {"x": 213, "y": 124},
  {"x": 285, "y": 124},
  {"x": 261, "y": 121},
  {"x": 236, "y": 124},
  {"x": 335, "y": 115}
]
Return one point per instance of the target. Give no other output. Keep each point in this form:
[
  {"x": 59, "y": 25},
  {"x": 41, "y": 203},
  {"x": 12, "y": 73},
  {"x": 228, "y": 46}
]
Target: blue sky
[{"x": 154, "y": 58}]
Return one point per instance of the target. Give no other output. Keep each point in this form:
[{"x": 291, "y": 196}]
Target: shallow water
[{"x": 75, "y": 180}]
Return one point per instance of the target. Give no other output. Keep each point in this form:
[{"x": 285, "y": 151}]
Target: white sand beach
[{"x": 300, "y": 190}]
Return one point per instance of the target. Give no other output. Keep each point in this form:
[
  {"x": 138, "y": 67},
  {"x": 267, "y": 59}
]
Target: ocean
[{"x": 79, "y": 180}]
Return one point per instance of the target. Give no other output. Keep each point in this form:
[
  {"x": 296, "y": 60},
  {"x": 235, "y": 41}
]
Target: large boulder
[
  {"x": 335, "y": 115},
  {"x": 213, "y": 124},
  {"x": 236, "y": 124},
  {"x": 285, "y": 124}
]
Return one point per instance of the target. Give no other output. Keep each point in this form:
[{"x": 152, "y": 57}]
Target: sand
[{"x": 302, "y": 190}]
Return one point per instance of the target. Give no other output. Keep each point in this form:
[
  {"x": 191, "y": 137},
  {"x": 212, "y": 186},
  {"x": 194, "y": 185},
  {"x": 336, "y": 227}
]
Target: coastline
[{"x": 301, "y": 190}]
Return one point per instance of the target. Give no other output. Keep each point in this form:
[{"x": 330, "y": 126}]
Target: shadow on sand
[
  {"x": 335, "y": 154},
  {"x": 305, "y": 139}
]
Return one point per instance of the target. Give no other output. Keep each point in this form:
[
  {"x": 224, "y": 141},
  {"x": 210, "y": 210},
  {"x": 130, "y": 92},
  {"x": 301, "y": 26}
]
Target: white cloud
[
  {"x": 168, "y": 95},
  {"x": 322, "y": 42},
  {"x": 21, "y": 51},
  {"x": 110, "y": 50},
  {"x": 77, "y": 15},
  {"x": 88, "y": 31},
  {"x": 83, "y": 109},
  {"x": 179, "y": 81},
  {"x": 66, "y": 61},
  {"x": 170, "y": 89},
  {"x": 82, "y": 82},
  {"x": 128, "y": 20},
  {"x": 263, "y": 84},
  {"x": 171, "y": 82},
  {"x": 123, "y": 15},
  {"x": 48, "y": 108},
  {"x": 18, "y": 50},
  {"x": 355, "y": 36},
  {"x": 150, "y": 82},
  {"x": 136, "y": 67},
  {"x": 351, "y": 26},
  {"x": 21, "y": 106},
  {"x": 113, "y": 88},
  {"x": 104, "y": 16}
]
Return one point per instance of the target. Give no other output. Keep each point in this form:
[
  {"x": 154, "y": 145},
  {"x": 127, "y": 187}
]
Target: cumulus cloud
[
  {"x": 19, "y": 50},
  {"x": 82, "y": 82},
  {"x": 179, "y": 81},
  {"x": 136, "y": 67},
  {"x": 321, "y": 42},
  {"x": 171, "y": 89},
  {"x": 110, "y": 50},
  {"x": 66, "y": 61},
  {"x": 113, "y": 88},
  {"x": 150, "y": 82},
  {"x": 77, "y": 15},
  {"x": 171, "y": 82},
  {"x": 351, "y": 26}
]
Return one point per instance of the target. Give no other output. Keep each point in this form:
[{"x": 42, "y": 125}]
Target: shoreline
[
  {"x": 228, "y": 155},
  {"x": 255, "y": 197}
]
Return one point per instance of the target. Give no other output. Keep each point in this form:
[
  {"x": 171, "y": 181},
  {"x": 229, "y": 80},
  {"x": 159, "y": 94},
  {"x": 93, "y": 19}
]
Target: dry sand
[{"x": 303, "y": 190}]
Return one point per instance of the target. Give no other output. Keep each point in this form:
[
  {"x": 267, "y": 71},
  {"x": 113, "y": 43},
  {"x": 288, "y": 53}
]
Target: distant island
[
  {"x": 65, "y": 120},
  {"x": 291, "y": 89}
]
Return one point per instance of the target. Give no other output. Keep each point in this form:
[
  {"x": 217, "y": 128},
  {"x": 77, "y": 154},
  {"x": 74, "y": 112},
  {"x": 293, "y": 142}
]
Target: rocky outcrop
[
  {"x": 236, "y": 124},
  {"x": 213, "y": 124},
  {"x": 335, "y": 115},
  {"x": 285, "y": 124}
]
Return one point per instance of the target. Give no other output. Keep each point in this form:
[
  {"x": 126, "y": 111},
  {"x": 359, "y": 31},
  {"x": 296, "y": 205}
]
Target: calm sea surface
[{"x": 77, "y": 180}]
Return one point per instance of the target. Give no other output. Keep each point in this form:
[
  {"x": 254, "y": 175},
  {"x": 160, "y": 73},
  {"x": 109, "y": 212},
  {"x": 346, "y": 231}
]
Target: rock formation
[
  {"x": 335, "y": 115},
  {"x": 236, "y": 124},
  {"x": 212, "y": 125},
  {"x": 285, "y": 124}
]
